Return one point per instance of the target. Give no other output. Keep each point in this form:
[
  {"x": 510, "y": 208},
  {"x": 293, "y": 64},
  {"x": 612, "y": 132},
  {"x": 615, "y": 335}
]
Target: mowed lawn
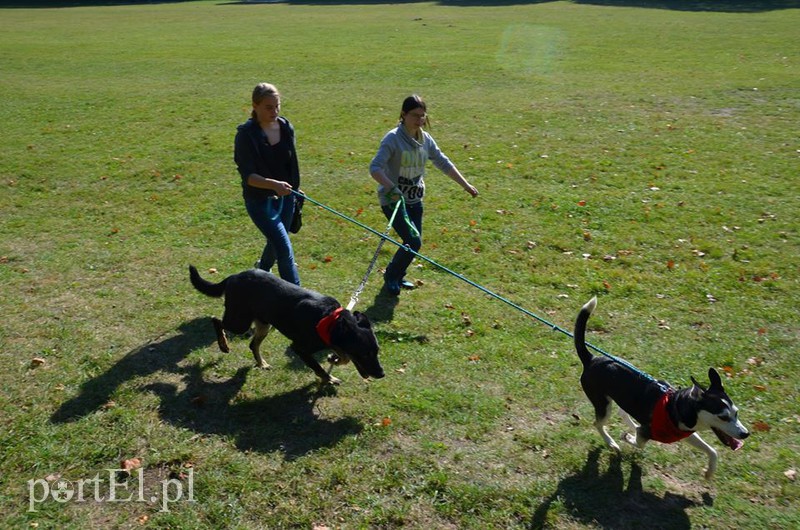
[{"x": 648, "y": 156}]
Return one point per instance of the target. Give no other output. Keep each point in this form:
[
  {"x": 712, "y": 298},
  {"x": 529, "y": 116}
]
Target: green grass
[{"x": 647, "y": 156}]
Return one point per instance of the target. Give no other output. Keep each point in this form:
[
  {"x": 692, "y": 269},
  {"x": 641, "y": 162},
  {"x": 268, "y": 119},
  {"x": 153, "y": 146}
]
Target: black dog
[
  {"x": 312, "y": 321},
  {"x": 662, "y": 413}
]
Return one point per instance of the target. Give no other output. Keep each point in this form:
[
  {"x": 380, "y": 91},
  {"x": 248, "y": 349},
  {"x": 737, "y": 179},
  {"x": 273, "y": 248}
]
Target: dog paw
[
  {"x": 333, "y": 381},
  {"x": 708, "y": 474},
  {"x": 629, "y": 438},
  {"x": 264, "y": 366}
]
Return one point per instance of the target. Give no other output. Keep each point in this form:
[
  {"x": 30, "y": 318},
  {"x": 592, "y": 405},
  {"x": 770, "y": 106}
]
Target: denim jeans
[
  {"x": 273, "y": 216},
  {"x": 396, "y": 269}
]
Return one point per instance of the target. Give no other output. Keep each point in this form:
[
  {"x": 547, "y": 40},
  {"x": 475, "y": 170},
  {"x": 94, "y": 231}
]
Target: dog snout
[{"x": 744, "y": 434}]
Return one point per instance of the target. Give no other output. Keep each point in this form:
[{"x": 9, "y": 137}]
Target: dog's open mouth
[{"x": 728, "y": 440}]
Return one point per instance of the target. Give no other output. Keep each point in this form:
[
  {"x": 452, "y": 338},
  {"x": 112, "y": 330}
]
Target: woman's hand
[{"x": 281, "y": 188}]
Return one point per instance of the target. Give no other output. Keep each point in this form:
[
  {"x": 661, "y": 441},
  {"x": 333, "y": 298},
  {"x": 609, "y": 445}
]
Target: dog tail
[
  {"x": 580, "y": 331},
  {"x": 204, "y": 286}
]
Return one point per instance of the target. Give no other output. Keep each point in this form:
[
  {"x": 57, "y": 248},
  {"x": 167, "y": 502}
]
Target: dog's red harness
[
  {"x": 662, "y": 429},
  {"x": 325, "y": 325}
]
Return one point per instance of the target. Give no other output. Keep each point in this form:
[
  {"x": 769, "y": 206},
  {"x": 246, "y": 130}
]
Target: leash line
[
  {"x": 552, "y": 326},
  {"x": 358, "y": 291}
]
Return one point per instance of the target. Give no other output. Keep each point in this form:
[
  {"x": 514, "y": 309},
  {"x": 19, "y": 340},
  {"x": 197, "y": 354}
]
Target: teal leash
[{"x": 553, "y": 327}]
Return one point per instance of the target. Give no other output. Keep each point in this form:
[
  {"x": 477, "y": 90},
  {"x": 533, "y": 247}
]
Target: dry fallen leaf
[
  {"x": 581, "y": 203},
  {"x": 130, "y": 463},
  {"x": 761, "y": 426},
  {"x": 328, "y": 259},
  {"x": 791, "y": 474},
  {"x": 386, "y": 421},
  {"x": 37, "y": 362},
  {"x": 474, "y": 358}
]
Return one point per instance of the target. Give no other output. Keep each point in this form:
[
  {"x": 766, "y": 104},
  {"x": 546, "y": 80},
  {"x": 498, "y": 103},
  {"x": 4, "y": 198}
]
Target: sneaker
[{"x": 405, "y": 284}]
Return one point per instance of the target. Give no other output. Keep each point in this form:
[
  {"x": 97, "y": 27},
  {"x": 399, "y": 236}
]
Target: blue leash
[{"x": 553, "y": 327}]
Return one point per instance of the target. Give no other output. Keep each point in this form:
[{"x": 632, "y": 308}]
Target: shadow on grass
[
  {"x": 284, "y": 422},
  {"x": 602, "y": 499},
  {"x": 724, "y": 6},
  {"x": 382, "y": 308},
  {"x": 142, "y": 361}
]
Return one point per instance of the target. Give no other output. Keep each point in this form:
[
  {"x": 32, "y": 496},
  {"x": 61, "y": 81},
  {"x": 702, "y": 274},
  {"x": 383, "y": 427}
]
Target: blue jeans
[
  {"x": 396, "y": 269},
  {"x": 273, "y": 216}
]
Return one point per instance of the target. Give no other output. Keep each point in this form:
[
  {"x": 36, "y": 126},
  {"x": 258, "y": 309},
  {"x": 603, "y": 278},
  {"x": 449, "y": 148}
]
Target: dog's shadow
[
  {"x": 602, "y": 499},
  {"x": 163, "y": 355},
  {"x": 288, "y": 423}
]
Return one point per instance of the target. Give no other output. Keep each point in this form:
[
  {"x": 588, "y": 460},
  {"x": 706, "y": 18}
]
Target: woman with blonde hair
[{"x": 266, "y": 157}]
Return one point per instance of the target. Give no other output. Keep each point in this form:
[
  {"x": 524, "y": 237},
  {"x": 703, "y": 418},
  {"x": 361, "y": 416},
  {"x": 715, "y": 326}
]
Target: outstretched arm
[{"x": 456, "y": 175}]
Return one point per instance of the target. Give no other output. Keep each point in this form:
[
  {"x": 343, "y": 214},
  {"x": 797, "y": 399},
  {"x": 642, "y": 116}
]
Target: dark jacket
[{"x": 253, "y": 154}]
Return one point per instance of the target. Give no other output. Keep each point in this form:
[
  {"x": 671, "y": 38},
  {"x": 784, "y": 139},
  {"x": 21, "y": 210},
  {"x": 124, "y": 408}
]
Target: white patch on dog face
[{"x": 727, "y": 420}]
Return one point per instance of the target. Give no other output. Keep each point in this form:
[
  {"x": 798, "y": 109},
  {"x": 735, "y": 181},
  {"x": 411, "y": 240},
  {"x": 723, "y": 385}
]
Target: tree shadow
[
  {"x": 725, "y": 6},
  {"x": 601, "y": 499},
  {"x": 722, "y": 6},
  {"x": 140, "y": 362},
  {"x": 288, "y": 422}
]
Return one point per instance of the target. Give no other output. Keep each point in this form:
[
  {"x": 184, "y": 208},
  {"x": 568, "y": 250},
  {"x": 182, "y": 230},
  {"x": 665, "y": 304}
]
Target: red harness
[
  {"x": 325, "y": 325},
  {"x": 662, "y": 429}
]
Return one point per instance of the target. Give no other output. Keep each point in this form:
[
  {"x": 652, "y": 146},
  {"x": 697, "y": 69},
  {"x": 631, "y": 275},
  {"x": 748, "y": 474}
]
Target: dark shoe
[{"x": 405, "y": 284}]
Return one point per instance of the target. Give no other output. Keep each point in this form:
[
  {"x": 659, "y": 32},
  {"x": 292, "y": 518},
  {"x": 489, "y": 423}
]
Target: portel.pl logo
[{"x": 119, "y": 486}]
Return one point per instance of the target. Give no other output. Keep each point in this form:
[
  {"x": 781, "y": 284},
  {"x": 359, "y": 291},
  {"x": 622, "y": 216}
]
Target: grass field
[{"x": 648, "y": 156}]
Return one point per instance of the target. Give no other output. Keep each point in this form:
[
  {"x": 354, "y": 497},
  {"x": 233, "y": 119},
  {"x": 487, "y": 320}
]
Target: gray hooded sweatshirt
[{"x": 402, "y": 158}]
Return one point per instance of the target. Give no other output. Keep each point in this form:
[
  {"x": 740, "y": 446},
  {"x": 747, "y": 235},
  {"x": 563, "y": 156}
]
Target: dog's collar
[
  {"x": 325, "y": 325},
  {"x": 662, "y": 428}
]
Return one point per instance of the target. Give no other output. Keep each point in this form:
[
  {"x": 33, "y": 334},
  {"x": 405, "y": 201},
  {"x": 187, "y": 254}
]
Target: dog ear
[
  {"x": 716, "y": 381},
  {"x": 362, "y": 320},
  {"x": 697, "y": 385}
]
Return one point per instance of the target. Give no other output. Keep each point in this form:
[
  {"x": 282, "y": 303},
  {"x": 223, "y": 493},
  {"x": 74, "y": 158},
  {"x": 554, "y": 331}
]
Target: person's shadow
[
  {"x": 601, "y": 499},
  {"x": 285, "y": 422},
  {"x": 139, "y": 362},
  {"x": 288, "y": 422},
  {"x": 382, "y": 308}
]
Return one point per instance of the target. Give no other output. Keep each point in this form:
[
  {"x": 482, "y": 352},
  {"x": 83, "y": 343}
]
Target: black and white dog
[
  {"x": 312, "y": 321},
  {"x": 661, "y": 412}
]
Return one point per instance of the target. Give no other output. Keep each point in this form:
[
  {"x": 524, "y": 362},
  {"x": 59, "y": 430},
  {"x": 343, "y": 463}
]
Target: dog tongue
[{"x": 730, "y": 441}]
